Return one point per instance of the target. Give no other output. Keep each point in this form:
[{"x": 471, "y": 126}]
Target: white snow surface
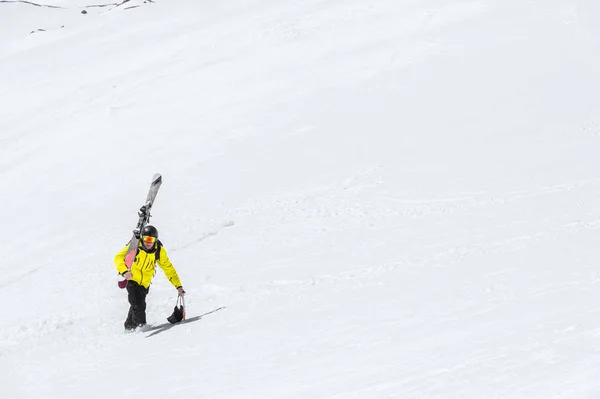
[{"x": 386, "y": 198}]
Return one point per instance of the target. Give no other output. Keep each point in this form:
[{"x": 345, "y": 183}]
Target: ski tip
[{"x": 157, "y": 177}]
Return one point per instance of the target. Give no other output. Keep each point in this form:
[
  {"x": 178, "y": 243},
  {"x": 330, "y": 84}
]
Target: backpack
[{"x": 158, "y": 248}]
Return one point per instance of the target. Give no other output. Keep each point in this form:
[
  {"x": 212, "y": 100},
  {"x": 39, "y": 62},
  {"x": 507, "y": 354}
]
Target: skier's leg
[
  {"x": 137, "y": 300},
  {"x": 129, "y": 320},
  {"x": 139, "y": 315},
  {"x": 131, "y": 289}
]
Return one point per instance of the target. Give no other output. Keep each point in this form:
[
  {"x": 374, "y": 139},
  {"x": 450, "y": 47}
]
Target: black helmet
[{"x": 150, "y": 231}]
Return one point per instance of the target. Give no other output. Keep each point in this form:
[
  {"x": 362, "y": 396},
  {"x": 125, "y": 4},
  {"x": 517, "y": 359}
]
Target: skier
[{"x": 150, "y": 252}]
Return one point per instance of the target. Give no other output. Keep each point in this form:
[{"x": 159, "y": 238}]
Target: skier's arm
[
  {"x": 120, "y": 260},
  {"x": 168, "y": 268}
]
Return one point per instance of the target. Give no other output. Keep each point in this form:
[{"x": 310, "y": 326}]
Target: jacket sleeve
[
  {"x": 168, "y": 268},
  {"x": 120, "y": 260}
]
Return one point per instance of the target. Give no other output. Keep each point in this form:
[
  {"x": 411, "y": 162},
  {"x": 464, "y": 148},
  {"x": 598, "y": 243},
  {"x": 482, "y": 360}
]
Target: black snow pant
[{"x": 137, "y": 309}]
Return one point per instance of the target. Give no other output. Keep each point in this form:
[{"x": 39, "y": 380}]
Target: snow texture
[{"x": 364, "y": 199}]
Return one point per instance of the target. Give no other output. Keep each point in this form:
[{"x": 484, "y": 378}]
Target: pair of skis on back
[{"x": 144, "y": 219}]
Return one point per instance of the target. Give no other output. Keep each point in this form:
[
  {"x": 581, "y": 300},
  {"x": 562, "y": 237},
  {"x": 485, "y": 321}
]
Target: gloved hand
[{"x": 180, "y": 291}]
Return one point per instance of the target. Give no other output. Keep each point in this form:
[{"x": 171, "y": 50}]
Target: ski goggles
[{"x": 149, "y": 239}]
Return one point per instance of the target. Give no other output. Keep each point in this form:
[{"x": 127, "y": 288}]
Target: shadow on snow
[{"x": 167, "y": 326}]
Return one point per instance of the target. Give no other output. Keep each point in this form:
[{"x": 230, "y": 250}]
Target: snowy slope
[{"x": 364, "y": 199}]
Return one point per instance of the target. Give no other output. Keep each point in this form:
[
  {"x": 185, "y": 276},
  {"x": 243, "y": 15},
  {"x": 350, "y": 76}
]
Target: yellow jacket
[{"x": 143, "y": 267}]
